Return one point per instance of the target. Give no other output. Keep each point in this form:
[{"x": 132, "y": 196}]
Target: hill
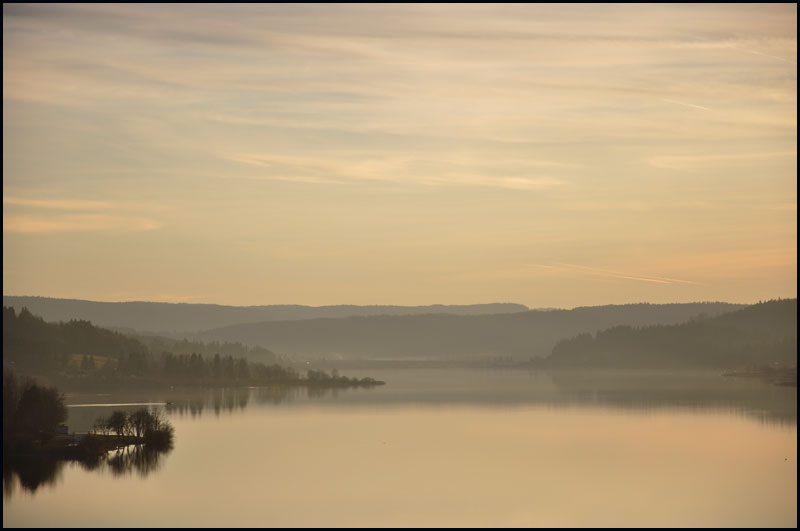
[
  {"x": 158, "y": 344},
  {"x": 762, "y": 334},
  {"x": 32, "y": 345},
  {"x": 79, "y": 355},
  {"x": 35, "y": 345},
  {"x": 518, "y": 335},
  {"x": 178, "y": 319}
]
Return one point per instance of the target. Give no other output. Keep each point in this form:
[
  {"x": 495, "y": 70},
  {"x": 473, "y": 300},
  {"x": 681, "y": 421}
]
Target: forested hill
[
  {"x": 761, "y": 334},
  {"x": 32, "y": 345},
  {"x": 176, "y": 319},
  {"x": 79, "y": 355},
  {"x": 453, "y": 337}
]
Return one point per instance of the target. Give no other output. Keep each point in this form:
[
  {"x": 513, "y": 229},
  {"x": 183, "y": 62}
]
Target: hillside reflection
[
  {"x": 691, "y": 392},
  {"x": 637, "y": 391}
]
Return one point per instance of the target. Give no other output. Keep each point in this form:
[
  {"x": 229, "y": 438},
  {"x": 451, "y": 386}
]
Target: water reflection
[
  {"x": 697, "y": 392},
  {"x": 630, "y": 390},
  {"x": 30, "y": 472},
  {"x": 446, "y": 447},
  {"x": 34, "y": 471},
  {"x": 136, "y": 458},
  {"x": 638, "y": 391},
  {"x": 230, "y": 399}
]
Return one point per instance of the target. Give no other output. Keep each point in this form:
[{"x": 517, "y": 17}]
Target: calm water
[{"x": 442, "y": 447}]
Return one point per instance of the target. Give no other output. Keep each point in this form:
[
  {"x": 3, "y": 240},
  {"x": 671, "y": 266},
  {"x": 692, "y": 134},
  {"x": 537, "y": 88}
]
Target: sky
[{"x": 551, "y": 155}]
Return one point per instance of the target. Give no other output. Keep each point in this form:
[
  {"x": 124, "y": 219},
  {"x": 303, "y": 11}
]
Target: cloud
[
  {"x": 27, "y": 224},
  {"x": 686, "y": 162},
  {"x": 58, "y": 204},
  {"x": 443, "y": 171},
  {"x": 606, "y": 205},
  {"x": 27, "y": 215},
  {"x": 560, "y": 109},
  {"x": 120, "y": 20},
  {"x": 513, "y": 183}
]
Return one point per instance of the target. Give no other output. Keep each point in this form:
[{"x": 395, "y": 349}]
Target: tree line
[
  {"x": 147, "y": 425},
  {"x": 224, "y": 348},
  {"x": 31, "y": 412},
  {"x": 763, "y": 333},
  {"x": 79, "y": 353}
]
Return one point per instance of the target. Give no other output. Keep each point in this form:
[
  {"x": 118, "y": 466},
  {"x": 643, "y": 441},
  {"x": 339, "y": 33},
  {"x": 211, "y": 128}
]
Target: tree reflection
[
  {"x": 31, "y": 472},
  {"x": 142, "y": 459},
  {"x": 232, "y": 399},
  {"x": 35, "y": 471}
]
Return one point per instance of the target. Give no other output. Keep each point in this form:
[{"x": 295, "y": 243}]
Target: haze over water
[{"x": 479, "y": 448}]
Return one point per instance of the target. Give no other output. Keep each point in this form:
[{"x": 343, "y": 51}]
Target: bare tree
[{"x": 117, "y": 422}]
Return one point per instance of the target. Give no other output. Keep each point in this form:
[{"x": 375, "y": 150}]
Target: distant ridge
[
  {"x": 179, "y": 319},
  {"x": 760, "y": 334},
  {"x": 519, "y": 335}
]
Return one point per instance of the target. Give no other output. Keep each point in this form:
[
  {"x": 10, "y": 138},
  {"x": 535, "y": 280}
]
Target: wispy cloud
[
  {"x": 59, "y": 204},
  {"x": 130, "y": 22},
  {"x": 539, "y": 126},
  {"x": 513, "y": 183},
  {"x": 682, "y": 162},
  {"x": 444, "y": 171},
  {"x": 46, "y": 215},
  {"x": 27, "y": 224}
]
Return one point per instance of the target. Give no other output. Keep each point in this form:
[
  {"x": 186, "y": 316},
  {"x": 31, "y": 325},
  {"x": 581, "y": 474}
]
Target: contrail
[
  {"x": 686, "y": 104},
  {"x": 765, "y": 55},
  {"x": 738, "y": 49},
  {"x": 617, "y": 274}
]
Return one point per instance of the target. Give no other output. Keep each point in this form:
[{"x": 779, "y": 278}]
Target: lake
[{"x": 441, "y": 447}]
